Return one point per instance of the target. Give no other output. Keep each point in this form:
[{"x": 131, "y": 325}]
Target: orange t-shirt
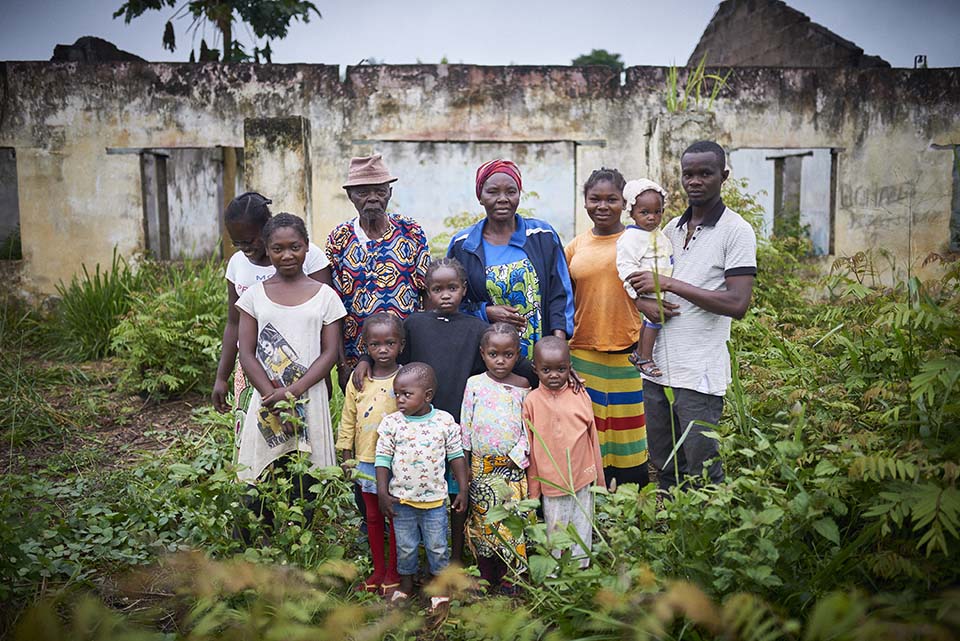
[
  {"x": 604, "y": 318},
  {"x": 563, "y": 422}
]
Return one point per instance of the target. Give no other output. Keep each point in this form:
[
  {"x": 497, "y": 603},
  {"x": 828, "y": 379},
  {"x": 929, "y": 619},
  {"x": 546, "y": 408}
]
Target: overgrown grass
[{"x": 90, "y": 307}]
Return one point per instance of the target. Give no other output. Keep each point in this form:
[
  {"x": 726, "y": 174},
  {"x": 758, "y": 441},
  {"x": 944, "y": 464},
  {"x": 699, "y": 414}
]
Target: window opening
[{"x": 10, "y": 247}]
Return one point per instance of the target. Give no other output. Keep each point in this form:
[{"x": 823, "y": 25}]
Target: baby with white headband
[{"x": 643, "y": 247}]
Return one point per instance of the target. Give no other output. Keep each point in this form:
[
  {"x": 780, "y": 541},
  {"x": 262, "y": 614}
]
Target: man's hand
[
  {"x": 644, "y": 283},
  {"x": 460, "y": 503}
]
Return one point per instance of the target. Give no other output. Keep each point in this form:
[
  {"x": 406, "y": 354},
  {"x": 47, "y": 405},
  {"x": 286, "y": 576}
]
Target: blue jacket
[{"x": 542, "y": 245}]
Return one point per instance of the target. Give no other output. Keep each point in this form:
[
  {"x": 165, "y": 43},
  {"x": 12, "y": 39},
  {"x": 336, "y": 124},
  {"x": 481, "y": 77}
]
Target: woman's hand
[
  {"x": 506, "y": 314},
  {"x": 576, "y": 383},
  {"x": 219, "y": 396}
]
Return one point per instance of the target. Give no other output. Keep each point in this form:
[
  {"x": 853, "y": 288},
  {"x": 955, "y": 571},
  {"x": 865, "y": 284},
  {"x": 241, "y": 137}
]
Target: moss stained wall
[{"x": 76, "y": 201}]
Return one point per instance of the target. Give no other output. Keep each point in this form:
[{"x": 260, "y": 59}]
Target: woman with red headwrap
[{"x": 516, "y": 270}]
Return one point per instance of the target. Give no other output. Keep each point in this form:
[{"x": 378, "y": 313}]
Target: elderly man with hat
[{"x": 378, "y": 260}]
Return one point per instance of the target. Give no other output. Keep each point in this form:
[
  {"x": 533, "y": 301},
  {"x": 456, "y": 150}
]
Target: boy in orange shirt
[{"x": 562, "y": 426}]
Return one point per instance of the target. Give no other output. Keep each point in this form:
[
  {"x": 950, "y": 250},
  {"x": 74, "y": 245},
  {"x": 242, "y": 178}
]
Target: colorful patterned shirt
[
  {"x": 376, "y": 275},
  {"x": 490, "y": 418},
  {"x": 416, "y": 449}
]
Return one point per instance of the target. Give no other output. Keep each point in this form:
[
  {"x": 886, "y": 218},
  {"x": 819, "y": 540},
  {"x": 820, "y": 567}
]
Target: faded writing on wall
[{"x": 874, "y": 196}]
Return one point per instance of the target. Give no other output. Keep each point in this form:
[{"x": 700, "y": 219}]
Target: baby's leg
[
  {"x": 642, "y": 357},
  {"x": 648, "y": 337}
]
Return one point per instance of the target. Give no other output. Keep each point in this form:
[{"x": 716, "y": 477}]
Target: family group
[{"x": 512, "y": 368}]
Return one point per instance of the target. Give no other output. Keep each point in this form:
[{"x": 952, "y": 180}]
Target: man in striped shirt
[{"x": 715, "y": 262}]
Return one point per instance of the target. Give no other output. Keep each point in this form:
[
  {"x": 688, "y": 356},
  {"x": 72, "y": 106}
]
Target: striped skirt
[{"x": 616, "y": 389}]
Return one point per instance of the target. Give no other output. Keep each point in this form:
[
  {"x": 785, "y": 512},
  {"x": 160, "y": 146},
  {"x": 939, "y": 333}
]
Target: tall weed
[
  {"x": 90, "y": 307},
  {"x": 695, "y": 90}
]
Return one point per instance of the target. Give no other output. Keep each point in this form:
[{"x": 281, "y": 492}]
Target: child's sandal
[
  {"x": 387, "y": 590},
  {"x": 399, "y": 597},
  {"x": 439, "y": 605},
  {"x": 371, "y": 584}
]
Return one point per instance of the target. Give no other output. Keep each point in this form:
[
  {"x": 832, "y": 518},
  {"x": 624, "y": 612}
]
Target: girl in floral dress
[{"x": 495, "y": 443}]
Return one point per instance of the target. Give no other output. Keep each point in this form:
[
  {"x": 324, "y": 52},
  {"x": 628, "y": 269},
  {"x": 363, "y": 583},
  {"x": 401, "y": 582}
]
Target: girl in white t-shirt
[
  {"x": 289, "y": 340},
  {"x": 244, "y": 219}
]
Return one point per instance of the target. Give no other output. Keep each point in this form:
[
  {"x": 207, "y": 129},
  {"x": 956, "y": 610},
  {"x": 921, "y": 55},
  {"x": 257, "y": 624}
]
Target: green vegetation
[
  {"x": 840, "y": 518},
  {"x": 600, "y": 57},
  {"x": 267, "y": 20},
  {"x": 90, "y": 307},
  {"x": 169, "y": 342},
  {"x": 10, "y": 247},
  {"x": 693, "y": 95}
]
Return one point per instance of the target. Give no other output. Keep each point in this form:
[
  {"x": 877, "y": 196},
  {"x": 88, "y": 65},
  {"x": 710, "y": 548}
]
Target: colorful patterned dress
[
  {"x": 512, "y": 280},
  {"x": 376, "y": 275},
  {"x": 493, "y": 428}
]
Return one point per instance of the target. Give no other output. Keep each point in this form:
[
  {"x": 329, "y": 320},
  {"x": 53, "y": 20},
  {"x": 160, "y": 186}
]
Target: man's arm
[{"x": 733, "y": 301}]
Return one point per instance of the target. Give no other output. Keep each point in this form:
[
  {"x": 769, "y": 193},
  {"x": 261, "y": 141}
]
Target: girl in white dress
[
  {"x": 243, "y": 220},
  {"x": 289, "y": 340}
]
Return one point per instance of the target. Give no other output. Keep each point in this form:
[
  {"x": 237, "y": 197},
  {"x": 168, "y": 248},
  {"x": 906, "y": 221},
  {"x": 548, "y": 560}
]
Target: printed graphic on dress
[{"x": 279, "y": 360}]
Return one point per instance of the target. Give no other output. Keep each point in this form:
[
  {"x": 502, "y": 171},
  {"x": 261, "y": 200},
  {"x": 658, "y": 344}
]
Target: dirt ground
[{"x": 100, "y": 424}]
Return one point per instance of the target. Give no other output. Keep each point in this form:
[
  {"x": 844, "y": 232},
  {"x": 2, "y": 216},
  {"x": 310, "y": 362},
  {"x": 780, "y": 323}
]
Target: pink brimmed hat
[{"x": 368, "y": 170}]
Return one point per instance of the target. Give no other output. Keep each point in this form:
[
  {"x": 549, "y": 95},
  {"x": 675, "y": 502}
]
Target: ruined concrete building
[
  {"x": 768, "y": 33},
  {"x": 141, "y": 156}
]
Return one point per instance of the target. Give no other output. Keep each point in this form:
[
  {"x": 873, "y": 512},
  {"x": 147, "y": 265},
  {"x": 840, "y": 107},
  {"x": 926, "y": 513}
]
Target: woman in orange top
[{"x": 605, "y": 327}]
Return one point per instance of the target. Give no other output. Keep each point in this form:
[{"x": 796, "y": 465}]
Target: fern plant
[{"x": 170, "y": 339}]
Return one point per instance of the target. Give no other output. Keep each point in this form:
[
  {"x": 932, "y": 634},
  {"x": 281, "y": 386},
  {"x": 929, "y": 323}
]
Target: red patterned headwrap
[{"x": 498, "y": 166}]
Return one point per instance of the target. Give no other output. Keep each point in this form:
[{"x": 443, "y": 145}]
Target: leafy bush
[
  {"x": 91, "y": 306},
  {"x": 170, "y": 339}
]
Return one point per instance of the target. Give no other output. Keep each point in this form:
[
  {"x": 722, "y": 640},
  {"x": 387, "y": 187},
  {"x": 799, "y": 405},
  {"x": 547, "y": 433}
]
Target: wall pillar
[{"x": 276, "y": 163}]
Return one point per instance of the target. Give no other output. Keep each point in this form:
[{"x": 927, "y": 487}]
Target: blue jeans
[{"x": 414, "y": 526}]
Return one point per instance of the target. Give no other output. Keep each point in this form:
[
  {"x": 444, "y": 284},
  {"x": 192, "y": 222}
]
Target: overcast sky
[{"x": 516, "y": 32}]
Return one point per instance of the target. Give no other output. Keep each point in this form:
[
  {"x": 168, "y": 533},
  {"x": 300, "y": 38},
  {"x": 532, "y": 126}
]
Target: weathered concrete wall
[
  {"x": 276, "y": 156},
  {"x": 77, "y": 202}
]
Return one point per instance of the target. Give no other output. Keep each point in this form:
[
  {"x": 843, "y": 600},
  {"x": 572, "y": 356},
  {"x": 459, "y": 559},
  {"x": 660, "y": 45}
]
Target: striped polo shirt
[{"x": 691, "y": 349}]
